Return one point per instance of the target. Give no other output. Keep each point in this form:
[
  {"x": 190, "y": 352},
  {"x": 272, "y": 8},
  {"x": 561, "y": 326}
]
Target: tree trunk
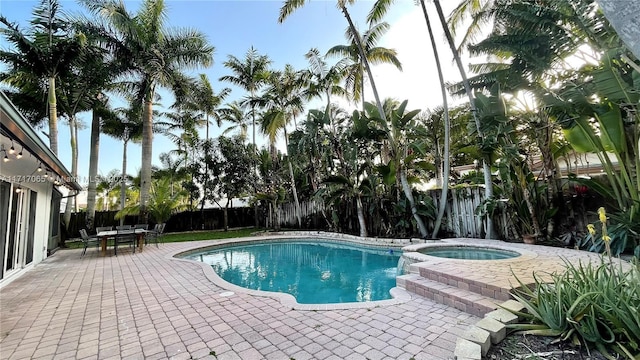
[
  {"x": 488, "y": 184},
  {"x": 447, "y": 125},
  {"x": 93, "y": 170},
  {"x": 407, "y": 192},
  {"x": 361, "y": 220},
  {"x": 226, "y": 215},
  {"x": 147, "y": 153},
  {"x": 53, "y": 116},
  {"x": 522, "y": 180},
  {"x": 74, "y": 169},
  {"x": 123, "y": 181},
  {"x": 623, "y": 16},
  {"x": 276, "y": 225},
  {"x": 293, "y": 180},
  {"x": 365, "y": 62}
]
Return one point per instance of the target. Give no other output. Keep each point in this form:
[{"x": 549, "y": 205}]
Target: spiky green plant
[{"x": 597, "y": 305}]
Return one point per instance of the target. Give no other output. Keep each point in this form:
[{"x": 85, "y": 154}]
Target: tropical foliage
[
  {"x": 557, "y": 82},
  {"x": 596, "y": 305}
]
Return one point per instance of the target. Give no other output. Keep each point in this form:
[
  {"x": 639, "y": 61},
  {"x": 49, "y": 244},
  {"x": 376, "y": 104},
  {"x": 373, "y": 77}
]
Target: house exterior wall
[
  {"x": 40, "y": 222},
  {"x": 29, "y": 176}
]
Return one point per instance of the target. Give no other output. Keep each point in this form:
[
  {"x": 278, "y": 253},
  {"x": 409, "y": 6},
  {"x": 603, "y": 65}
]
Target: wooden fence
[{"x": 461, "y": 218}]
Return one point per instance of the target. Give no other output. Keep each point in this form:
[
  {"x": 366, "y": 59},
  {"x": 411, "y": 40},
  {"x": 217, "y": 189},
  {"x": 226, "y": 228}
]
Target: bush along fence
[
  {"x": 462, "y": 217},
  {"x": 208, "y": 219}
]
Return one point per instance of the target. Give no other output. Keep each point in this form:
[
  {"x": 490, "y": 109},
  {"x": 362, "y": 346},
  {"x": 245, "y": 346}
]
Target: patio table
[{"x": 105, "y": 235}]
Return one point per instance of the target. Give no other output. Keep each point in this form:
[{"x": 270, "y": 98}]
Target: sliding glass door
[
  {"x": 5, "y": 196},
  {"x": 17, "y": 227}
]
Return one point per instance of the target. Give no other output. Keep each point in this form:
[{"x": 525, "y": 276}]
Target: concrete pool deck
[{"x": 150, "y": 306}]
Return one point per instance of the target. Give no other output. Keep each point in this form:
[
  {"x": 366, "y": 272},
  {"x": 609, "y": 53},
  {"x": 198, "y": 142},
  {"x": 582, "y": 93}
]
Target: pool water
[
  {"x": 313, "y": 272},
  {"x": 469, "y": 253}
]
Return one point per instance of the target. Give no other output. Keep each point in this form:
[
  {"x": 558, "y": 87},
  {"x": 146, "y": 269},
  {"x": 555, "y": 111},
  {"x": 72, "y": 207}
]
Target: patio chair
[
  {"x": 154, "y": 234},
  {"x": 141, "y": 226},
  {"x": 124, "y": 227},
  {"x": 88, "y": 240},
  {"x": 103, "y": 228},
  {"x": 125, "y": 236}
]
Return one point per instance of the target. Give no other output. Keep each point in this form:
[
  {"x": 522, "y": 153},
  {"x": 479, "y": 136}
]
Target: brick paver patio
[{"x": 149, "y": 306}]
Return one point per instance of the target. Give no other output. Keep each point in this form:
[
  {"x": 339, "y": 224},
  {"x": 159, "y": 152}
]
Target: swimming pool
[{"x": 314, "y": 272}]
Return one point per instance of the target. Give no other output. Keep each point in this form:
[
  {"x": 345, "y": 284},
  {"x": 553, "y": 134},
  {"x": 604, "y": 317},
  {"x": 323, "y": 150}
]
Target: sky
[{"x": 233, "y": 26}]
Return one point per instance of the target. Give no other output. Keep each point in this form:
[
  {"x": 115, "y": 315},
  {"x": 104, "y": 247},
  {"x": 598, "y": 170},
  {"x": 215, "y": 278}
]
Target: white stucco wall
[{"x": 16, "y": 175}]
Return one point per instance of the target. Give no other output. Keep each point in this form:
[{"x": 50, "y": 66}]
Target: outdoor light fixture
[
  {"x": 19, "y": 156},
  {"x": 6, "y": 158},
  {"x": 12, "y": 150},
  {"x": 40, "y": 167}
]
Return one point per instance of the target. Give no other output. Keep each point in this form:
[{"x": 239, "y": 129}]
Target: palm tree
[
  {"x": 477, "y": 11},
  {"x": 155, "y": 55},
  {"x": 397, "y": 135},
  {"x": 377, "y": 12},
  {"x": 283, "y": 101},
  {"x": 202, "y": 98},
  {"x": 91, "y": 76},
  {"x": 44, "y": 53},
  {"x": 124, "y": 124},
  {"x": 354, "y": 68},
  {"x": 172, "y": 168},
  {"x": 290, "y": 6},
  {"x": 324, "y": 79},
  {"x": 488, "y": 182},
  {"x": 249, "y": 74},
  {"x": 235, "y": 113},
  {"x": 447, "y": 126}
]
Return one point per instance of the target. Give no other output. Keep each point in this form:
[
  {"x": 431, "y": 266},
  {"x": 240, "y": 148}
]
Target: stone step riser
[
  {"x": 477, "y": 305},
  {"x": 484, "y": 289}
]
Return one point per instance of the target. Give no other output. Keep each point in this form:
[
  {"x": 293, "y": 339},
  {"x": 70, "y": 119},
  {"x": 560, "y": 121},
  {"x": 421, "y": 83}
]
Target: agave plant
[{"x": 593, "y": 304}]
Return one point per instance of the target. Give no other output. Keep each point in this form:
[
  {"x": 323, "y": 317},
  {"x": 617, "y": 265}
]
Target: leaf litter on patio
[{"x": 529, "y": 347}]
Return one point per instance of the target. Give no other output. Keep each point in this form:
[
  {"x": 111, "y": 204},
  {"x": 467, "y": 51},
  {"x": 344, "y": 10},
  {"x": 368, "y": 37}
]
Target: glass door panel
[
  {"x": 31, "y": 227},
  {"x": 5, "y": 197}
]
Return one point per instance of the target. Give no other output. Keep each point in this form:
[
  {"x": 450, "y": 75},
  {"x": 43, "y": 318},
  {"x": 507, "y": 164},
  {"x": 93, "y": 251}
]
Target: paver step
[
  {"x": 485, "y": 288},
  {"x": 465, "y": 300}
]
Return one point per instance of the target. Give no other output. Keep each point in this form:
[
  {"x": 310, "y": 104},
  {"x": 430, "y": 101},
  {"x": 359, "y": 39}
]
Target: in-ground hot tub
[
  {"x": 454, "y": 250},
  {"x": 468, "y": 252}
]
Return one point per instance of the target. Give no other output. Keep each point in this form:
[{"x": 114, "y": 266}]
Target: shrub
[{"x": 590, "y": 304}]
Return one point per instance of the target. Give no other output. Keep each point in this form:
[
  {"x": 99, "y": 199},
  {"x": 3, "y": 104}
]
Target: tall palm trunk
[
  {"x": 365, "y": 62},
  {"x": 361, "y": 220},
  {"x": 293, "y": 180},
  {"x": 93, "y": 169},
  {"x": 206, "y": 180},
  {"x": 414, "y": 210},
  {"x": 488, "y": 184},
  {"x": 123, "y": 181},
  {"x": 147, "y": 153},
  {"x": 53, "y": 116},
  {"x": 255, "y": 163},
  {"x": 253, "y": 121},
  {"x": 447, "y": 126},
  {"x": 207, "y": 124},
  {"x": 74, "y": 169}
]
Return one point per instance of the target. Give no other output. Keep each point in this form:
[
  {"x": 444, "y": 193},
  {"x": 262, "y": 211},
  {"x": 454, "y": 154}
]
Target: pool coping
[{"x": 398, "y": 295}]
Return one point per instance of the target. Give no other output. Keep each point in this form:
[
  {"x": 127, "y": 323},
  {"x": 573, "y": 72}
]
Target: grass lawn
[
  {"x": 207, "y": 235},
  {"x": 189, "y": 236}
]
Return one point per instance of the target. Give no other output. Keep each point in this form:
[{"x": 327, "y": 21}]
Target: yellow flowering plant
[{"x": 612, "y": 240}]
